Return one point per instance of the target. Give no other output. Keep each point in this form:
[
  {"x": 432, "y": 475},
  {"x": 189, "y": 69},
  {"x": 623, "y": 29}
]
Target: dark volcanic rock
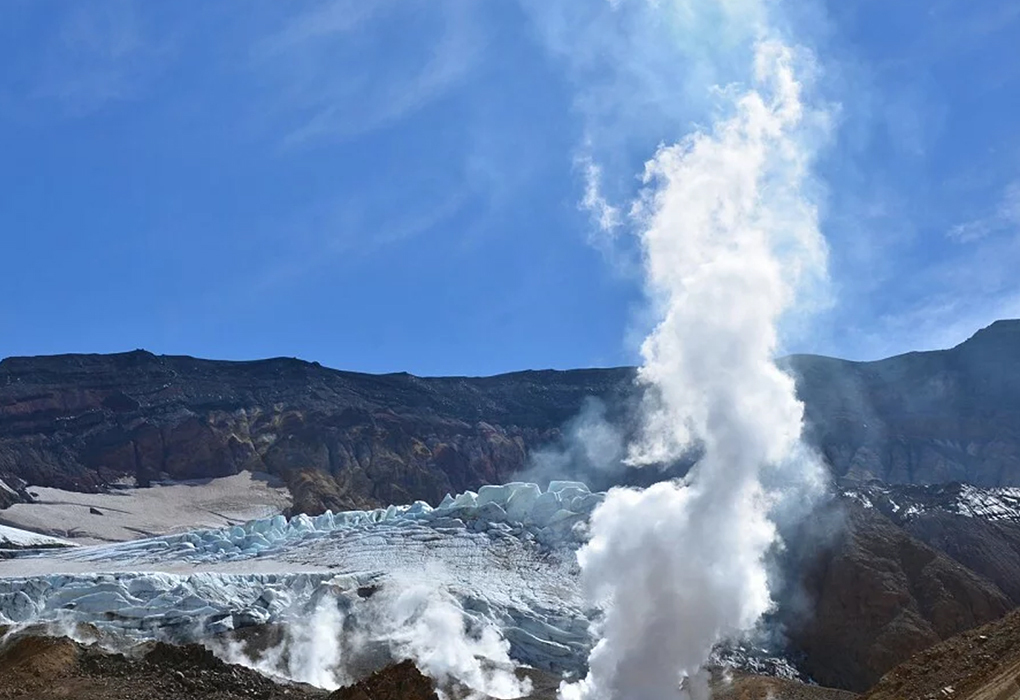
[
  {"x": 342, "y": 439},
  {"x": 41, "y": 668},
  {"x": 980, "y": 528},
  {"x": 9, "y": 496},
  {"x": 402, "y": 681},
  {"x": 339, "y": 439},
  {"x": 991, "y": 549},
  {"x": 923, "y": 417}
]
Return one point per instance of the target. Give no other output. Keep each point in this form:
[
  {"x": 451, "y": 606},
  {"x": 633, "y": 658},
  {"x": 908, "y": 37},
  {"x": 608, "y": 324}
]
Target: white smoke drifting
[
  {"x": 315, "y": 651},
  {"x": 310, "y": 652},
  {"x": 592, "y": 449},
  {"x": 426, "y": 624},
  {"x": 405, "y": 619},
  {"x": 729, "y": 235}
]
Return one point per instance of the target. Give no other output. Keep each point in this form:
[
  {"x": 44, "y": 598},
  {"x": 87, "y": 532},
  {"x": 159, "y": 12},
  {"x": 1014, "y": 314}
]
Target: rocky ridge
[
  {"x": 344, "y": 440},
  {"x": 339, "y": 439},
  {"x": 923, "y": 417}
]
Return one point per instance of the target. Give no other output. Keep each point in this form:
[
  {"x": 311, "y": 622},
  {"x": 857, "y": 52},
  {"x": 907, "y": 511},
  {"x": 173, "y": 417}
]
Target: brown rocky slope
[
  {"x": 982, "y": 664},
  {"x": 874, "y": 596},
  {"x": 44, "y": 668}
]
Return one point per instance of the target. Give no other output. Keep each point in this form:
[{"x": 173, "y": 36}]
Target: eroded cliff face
[
  {"x": 339, "y": 439},
  {"x": 342, "y": 439}
]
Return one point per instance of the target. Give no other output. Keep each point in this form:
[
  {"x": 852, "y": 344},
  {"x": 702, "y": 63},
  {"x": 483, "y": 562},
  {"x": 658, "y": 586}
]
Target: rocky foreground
[
  {"x": 45, "y": 668},
  {"x": 983, "y": 664},
  {"x": 880, "y": 574}
]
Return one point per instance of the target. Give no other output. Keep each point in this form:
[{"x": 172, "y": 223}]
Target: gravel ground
[
  {"x": 131, "y": 513},
  {"x": 983, "y": 664},
  {"x": 48, "y": 668}
]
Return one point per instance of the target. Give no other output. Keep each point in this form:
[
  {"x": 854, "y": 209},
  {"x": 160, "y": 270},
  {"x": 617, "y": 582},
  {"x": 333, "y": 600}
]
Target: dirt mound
[
  {"x": 402, "y": 681},
  {"x": 983, "y": 664},
  {"x": 191, "y": 656},
  {"x": 29, "y": 662},
  {"x": 43, "y": 668}
]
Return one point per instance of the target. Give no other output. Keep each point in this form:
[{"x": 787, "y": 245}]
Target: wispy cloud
[
  {"x": 1004, "y": 219},
  {"x": 938, "y": 304},
  {"x": 331, "y": 231},
  {"x": 609, "y": 228},
  {"x": 329, "y": 19},
  {"x": 343, "y": 68},
  {"x": 97, "y": 54},
  {"x": 940, "y": 322},
  {"x": 605, "y": 215}
]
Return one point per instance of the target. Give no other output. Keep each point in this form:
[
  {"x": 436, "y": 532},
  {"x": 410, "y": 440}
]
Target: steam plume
[
  {"x": 310, "y": 652},
  {"x": 426, "y": 624},
  {"x": 729, "y": 235},
  {"x": 315, "y": 652},
  {"x": 592, "y": 449}
]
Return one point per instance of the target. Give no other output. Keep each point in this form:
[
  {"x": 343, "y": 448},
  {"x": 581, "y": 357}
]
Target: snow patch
[{"x": 14, "y": 538}]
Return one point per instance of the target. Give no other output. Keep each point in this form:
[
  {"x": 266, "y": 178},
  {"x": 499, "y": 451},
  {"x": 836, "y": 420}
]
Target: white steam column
[{"x": 729, "y": 235}]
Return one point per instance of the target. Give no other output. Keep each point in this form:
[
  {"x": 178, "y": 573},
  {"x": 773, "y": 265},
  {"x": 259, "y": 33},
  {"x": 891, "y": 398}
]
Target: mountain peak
[{"x": 1001, "y": 335}]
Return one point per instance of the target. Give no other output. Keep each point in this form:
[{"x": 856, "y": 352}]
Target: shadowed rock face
[
  {"x": 342, "y": 439},
  {"x": 339, "y": 439},
  {"x": 923, "y": 417},
  {"x": 875, "y": 595},
  {"x": 9, "y": 496},
  {"x": 979, "y": 528}
]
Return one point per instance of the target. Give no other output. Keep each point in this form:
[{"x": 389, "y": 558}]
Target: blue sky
[{"x": 388, "y": 185}]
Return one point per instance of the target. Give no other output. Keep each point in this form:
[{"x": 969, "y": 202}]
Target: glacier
[{"x": 505, "y": 553}]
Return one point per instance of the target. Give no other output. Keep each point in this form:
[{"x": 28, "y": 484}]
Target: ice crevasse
[{"x": 505, "y": 554}]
